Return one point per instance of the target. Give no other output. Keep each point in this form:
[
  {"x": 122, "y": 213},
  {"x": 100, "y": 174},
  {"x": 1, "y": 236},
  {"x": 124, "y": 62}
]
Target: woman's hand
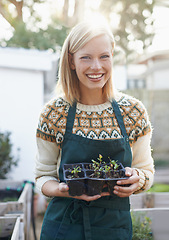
[
  {"x": 133, "y": 182},
  {"x": 54, "y": 189}
]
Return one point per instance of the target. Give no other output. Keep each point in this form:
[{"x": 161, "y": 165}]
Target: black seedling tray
[
  {"x": 76, "y": 185},
  {"x": 94, "y": 185},
  {"x": 87, "y": 182}
]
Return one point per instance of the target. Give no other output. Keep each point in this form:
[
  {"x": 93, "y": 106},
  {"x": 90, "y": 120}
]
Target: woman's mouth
[{"x": 95, "y": 76}]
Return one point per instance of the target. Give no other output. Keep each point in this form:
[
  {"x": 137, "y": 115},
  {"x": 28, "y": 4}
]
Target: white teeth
[{"x": 95, "y": 76}]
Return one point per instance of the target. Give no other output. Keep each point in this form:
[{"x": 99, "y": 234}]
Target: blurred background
[{"x": 31, "y": 37}]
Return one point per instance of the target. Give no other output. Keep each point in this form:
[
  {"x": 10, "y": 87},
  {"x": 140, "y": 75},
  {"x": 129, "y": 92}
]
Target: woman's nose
[{"x": 95, "y": 65}]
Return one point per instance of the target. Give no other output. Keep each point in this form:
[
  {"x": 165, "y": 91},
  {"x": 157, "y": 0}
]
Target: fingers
[
  {"x": 103, "y": 194},
  {"x": 131, "y": 180},
  {"x": 128, "y": 171},
  {"x": 125, "y": 191},
  {"x": 92, "y": 198},
  {"x": 131, "y": 183},
  {"x": 88, "y": 198},
  {"x": 63, "y": 187}
]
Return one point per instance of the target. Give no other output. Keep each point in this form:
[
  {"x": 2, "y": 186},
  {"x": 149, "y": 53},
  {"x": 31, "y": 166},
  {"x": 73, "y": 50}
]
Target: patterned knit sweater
[{"x": 95, "y": 122}]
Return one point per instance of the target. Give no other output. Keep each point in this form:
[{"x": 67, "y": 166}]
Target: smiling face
[{"x": 93, "y": 65}]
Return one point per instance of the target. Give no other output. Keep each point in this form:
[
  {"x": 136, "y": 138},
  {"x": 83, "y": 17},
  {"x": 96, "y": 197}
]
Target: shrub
[
  {"x": 141, "y": 226},
  {"x": 7, "y": 161}
]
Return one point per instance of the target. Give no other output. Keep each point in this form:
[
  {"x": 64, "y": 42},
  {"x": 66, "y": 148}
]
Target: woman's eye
[
  {"x": 85, "y": 57},
  {"x": 105, "y": 56}
]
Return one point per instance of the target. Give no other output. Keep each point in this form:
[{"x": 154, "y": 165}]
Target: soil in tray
[
  {"x": 94, "y": 186},
  {"x": 72, "y": 166}
]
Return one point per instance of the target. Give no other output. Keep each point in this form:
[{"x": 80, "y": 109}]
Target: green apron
[{"x": 107, "y": 218}]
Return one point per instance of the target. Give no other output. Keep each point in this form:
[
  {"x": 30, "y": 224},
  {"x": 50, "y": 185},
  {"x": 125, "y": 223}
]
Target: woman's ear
[{"x": 71, "y": 61}]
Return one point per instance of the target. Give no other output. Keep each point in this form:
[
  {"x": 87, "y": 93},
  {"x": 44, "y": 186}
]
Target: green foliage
[
  {"x": 75, "y": 171},
  {"x": 7, "y": 161},
  {"x": 134, "y": 29},
  {"x": 113, "y": 164},
  {"x": 141, "y": 227},
  {"x": 51, "y": 38},
  {"x": 157, "y": 187},
  {"x": 132, "y": 24},
  {"x": 10, "y": 199}
]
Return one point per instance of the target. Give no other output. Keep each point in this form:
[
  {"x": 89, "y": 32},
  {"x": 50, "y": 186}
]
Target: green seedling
[
  {"x": 113, "y": 164},
  {"x": 75, "y": 171}
]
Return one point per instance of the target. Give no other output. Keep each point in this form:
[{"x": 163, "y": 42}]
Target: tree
[
  {"x": 4, "y": 6},
  {"x": 16, "y": 14},
  {"x": 131, "y": 21},
  {"x": 7, "y": 161},
  {"x": 78, "y": 12},
  {"x": 30, "y": 33},
  {"x": 50, "y": 38},
  {"x": 134, "y": 30},
  {"x": 134, "y": 24}
]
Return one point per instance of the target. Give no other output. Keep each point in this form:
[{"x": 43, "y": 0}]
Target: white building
[
  {"x": 27, "y": 77},
  {"x": 150, "y": 72}
]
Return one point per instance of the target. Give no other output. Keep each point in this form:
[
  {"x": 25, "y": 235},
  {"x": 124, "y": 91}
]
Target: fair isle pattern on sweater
[{"x": 98, "y": 125}]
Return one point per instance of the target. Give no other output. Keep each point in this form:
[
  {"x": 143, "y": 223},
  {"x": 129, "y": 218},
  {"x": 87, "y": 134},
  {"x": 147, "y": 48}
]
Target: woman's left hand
[{"x": 132, "y": 181}]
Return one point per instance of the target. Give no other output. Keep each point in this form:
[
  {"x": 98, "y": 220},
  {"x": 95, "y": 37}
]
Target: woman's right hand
[{"x": 54, "y": 189}]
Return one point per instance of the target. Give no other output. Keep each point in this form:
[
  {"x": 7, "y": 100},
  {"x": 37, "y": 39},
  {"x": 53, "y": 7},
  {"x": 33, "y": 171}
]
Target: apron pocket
[
  {"x": 49, "y": 230},
  {"x": 68, "y": 231}
]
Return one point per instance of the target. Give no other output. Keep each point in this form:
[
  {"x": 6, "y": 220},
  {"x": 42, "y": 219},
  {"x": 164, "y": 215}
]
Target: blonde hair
[{"x": 81, "y": 34}]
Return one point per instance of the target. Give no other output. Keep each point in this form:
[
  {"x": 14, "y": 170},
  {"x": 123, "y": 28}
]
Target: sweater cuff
[{"x": 142, "y": 181}]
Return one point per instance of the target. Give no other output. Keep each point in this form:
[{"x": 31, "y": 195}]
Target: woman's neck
[{"x": 93, "y": 98}]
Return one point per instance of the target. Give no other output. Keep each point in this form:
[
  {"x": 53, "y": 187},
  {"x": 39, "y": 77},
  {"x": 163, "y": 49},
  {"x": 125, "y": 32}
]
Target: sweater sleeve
[
  {"x": 143, "y": 162},
  {"x": 48, "y": 151},
  {"x": 46, "y": 162}
]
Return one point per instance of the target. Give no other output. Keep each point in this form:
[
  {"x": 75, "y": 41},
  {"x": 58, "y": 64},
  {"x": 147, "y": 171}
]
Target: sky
[
  {"x": 161, "y": 16},
  {"x": 161, "y": 39}
]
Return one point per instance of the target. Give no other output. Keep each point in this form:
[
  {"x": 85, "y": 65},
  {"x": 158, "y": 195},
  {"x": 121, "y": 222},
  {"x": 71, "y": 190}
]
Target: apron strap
[
  {"x": 86, "y": 219},
  {"x": 119, "y": 118},
  {"x": 64, "y": 225},
  {"x": 70, "y": 118}
]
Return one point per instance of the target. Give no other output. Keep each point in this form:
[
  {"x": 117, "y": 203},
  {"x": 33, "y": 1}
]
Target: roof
[
  {"x": 31, "y": 59},
  {"x": 157, "y": 55}
]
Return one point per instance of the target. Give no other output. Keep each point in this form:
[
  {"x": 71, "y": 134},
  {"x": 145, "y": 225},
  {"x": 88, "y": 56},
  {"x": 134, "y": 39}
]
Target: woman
[{"x": 91, "y": 118}]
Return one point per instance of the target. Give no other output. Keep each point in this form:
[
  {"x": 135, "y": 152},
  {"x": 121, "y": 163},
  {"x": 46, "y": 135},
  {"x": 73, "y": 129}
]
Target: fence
[{"x": 15, "y": 216}]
